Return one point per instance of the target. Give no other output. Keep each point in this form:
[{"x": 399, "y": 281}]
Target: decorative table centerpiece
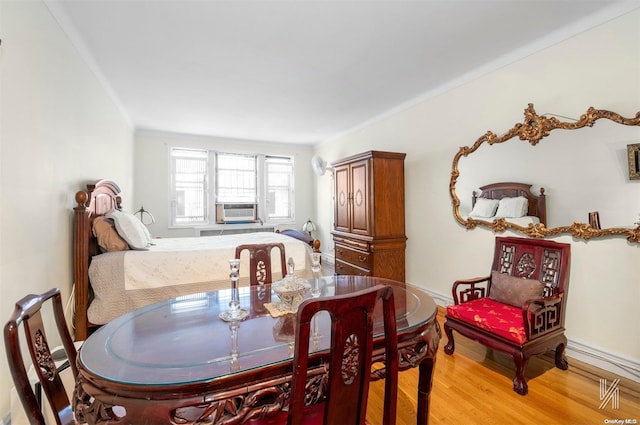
[{"x": 291, "y": 290}]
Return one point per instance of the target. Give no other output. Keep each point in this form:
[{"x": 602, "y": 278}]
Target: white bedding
[
  {"x": 523, "y": 221},
  {"x": 520, "y": 221},
  {"x": 126, "y": 280}
]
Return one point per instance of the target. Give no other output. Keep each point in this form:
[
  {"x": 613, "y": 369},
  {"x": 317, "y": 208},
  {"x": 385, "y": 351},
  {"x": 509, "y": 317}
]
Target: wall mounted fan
[{"x": 319, "y": 165}]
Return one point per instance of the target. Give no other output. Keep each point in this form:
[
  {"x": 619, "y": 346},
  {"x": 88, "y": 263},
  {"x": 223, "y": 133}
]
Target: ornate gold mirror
[{"x": 533, "y": 129}]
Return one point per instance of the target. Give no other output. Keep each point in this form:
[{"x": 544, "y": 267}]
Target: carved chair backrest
[
  {"x": 544, "y": 260},
  {"x": 27, "y": 314},
  {"x": 260, "y": 261},
  {"x": 350, "y": 359}
]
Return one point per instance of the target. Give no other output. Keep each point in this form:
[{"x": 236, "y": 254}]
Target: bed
[
  {"x": 515, "y": 202},
  {"x": 108, "y": 284}
]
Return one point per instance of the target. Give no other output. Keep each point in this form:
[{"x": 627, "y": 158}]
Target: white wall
[
  {"x": 600, "y": 68},
  {"x": 58, "y": 131},
  {"x": 152, "y": 175}
]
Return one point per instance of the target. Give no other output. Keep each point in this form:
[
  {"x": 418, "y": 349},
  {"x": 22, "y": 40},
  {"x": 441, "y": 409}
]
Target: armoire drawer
[
  {"x": 353, "y": 256},
  {"x": 349, "y": 269}
]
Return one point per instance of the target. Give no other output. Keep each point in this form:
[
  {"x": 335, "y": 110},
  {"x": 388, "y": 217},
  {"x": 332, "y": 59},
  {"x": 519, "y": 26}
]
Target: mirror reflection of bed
[
  {"x": 581, "y": 171},
  {"x": 514, "y": 202}
]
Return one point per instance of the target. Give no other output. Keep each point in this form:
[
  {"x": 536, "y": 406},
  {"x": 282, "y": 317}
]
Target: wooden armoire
[{"x": 369, "y": 231}]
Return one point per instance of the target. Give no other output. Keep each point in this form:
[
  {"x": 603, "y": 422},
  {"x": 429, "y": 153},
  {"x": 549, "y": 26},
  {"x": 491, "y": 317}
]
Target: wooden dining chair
[
  {"x": 28, "y": 313},
  {"x": 260, "y": 261},
  {"x": 349, "y": 361}
]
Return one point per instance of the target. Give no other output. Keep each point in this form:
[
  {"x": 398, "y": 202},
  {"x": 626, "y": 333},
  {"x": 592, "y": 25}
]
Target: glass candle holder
[
  {"x": 234, "y": 364},
  {"x": 234, "y": 312},
  {"x": 291, "y": 268},
  {"x": 315, "y": 268}
]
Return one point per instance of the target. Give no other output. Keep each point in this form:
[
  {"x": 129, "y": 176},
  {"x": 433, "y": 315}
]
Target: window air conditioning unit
[{"x": 236, "y": 213}]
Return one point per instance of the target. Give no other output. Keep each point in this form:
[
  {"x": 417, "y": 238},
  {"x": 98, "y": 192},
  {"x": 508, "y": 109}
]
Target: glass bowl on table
[{"x": 291, "y": 290}]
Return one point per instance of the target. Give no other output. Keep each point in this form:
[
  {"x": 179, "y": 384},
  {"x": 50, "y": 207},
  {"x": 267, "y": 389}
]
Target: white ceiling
[{"x": 303, "y": 71}]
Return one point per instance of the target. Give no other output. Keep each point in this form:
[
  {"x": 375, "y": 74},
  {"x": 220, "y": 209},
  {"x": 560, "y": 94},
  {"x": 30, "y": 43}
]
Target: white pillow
[
  {"x": 130, "y": 228},
  {"x": 147, "y": 233},
  {"x": 513, "y": 207},
  {"x": 485, "y": 208}
]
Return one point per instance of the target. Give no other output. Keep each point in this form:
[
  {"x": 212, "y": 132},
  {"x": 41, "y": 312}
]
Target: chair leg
[
  {"x": 519, "y": 384},
  {"x": 561, "y": 361},
  {"x": 451, "y": 345}
]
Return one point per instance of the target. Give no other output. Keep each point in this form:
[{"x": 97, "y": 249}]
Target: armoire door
[
  {"x": 341, "y": 217},
  {"x": 360, "y": 221}
]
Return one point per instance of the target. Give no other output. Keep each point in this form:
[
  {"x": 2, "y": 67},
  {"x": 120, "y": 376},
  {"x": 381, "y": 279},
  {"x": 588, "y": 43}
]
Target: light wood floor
[{"x": 474, "y": 386}]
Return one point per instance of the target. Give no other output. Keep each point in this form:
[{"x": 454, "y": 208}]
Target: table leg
[
  {"x": 425, "y": 370},
  {"x": 431, "y": 337}
]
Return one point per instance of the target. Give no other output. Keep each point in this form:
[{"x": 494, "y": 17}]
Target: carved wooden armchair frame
[{"x": 542, "y": 318}]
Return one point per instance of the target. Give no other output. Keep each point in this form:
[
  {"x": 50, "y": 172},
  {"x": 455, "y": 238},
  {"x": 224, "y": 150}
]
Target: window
[
  {"x": 279, "y": 172},
  {"x": 189, "y": 187},
  {"x": 236, "y": 178},
  {"x": 200, "y": 179}
]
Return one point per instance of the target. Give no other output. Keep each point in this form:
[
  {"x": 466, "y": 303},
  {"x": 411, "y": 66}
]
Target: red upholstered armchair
[{"x": 518, "y": 309}]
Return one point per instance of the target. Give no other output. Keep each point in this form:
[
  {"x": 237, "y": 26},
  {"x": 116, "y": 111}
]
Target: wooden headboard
[
  {"x": 537, "y": 203},
  {"x": 97, "y": 200}
]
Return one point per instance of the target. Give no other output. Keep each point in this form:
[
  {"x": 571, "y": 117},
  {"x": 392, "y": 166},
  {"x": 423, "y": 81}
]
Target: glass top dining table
[{"x": 177, "y": 361}]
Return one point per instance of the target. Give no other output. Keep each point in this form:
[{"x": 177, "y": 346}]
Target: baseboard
[
  {"x": 602, "y": 359},
  {"x": 440, "y": 299},
  {"x": 614, "y": 363}
]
